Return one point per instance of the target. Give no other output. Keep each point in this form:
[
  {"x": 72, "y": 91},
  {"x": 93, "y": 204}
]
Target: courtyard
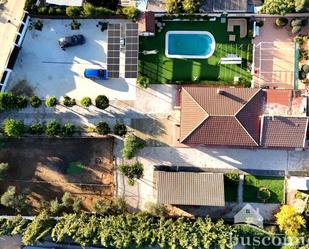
[
  {"x": 160, "y": 69},
  {"x": 49, "y": 167},
  {"x": 49, "y": 71}
]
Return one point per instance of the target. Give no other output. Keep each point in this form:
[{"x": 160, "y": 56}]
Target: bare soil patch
[{"x": 45, "y": 166}]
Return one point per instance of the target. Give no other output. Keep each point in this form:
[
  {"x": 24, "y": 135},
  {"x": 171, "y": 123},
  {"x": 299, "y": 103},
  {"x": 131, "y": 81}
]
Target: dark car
[
  {"x": 70, "y": 41},
  {"x": 96, "y": 74}
]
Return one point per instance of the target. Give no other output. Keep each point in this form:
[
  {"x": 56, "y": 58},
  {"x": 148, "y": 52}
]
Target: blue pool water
[{"x": 189, "y": 45}]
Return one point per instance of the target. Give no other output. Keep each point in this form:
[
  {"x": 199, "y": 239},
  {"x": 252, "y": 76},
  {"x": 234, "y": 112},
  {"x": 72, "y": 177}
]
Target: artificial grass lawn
[
  {"x": 274, "y": 184},
  {"x": 160, "y": 69},
  {"x": 75, "y": 168},
  {"x": 230, "y": 190}
]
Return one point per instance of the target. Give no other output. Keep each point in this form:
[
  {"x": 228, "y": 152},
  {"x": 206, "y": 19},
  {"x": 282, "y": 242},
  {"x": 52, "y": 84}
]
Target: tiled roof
[
  {"x": 230, "y": 117},
  {"x": 289, "y": 132},
  {"x": 147, "y": 22},
  {"x": 188, "y": 188}
]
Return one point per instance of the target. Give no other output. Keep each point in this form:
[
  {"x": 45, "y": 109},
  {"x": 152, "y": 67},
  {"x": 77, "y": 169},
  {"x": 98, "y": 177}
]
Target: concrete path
[{"x": 240, "y": 189}]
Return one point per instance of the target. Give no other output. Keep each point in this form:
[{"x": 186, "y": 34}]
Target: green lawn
[
  {"x": 161, "y": 69},
  {"x": 230, "y": 189},
  {"x": 75, "y": 168},
  {"x": 274, "y": 184}
]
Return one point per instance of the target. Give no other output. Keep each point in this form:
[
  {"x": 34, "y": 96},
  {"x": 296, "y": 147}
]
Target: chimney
[{"x": 219, "y": 91}]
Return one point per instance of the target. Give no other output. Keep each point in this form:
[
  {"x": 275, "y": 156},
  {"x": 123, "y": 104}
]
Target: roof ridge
[
  {"x": 201, "y": 121},
  {"x": 246, "y": 131},
  {"x": 247, "y": 102}
]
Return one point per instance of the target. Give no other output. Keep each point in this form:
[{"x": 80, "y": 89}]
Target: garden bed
[
  {"x": 51, "y": 166},
  {"x": 254, "y": 189}
]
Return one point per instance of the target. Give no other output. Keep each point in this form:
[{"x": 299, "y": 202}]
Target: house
[
  {"x": 249, "y": 215},
  {"x": 190, "y": 188},
  {"x": 241, "y": 117}
]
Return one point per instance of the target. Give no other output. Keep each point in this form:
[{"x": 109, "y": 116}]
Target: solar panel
[
  {"x": 131, "y": 50},
  {"x": 113, "y": 50}
]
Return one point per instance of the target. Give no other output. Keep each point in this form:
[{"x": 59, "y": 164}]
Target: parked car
[
  {"x": 96, "y": 74},
  {"x": 70, "y": 41}
]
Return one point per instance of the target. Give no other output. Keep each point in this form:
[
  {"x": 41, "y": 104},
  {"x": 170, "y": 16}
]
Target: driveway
[{"x": 50, "y": 71}]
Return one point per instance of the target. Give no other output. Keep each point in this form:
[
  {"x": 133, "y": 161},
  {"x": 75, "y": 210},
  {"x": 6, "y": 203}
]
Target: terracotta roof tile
[{"x": 287, "y": 132}]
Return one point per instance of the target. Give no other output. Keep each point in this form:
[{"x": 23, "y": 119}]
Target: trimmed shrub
[
  {"x": 102, "y": 128},
  {"x": 51, "y": 102},
  {"x": 36, "y": 129},
  {"x": 69, "y": 102},
  {"x": 13, "y": 128},
  {"x": 305, "y": 68},
  {"x": 73, "y": 11},
  {"x": 302, "y": 75},
  {"x": 120, "y": 129},
  {"x": 131, "y": 145},
  {"x": 53, "y": 128},
  {"x": 143, "y": 81},
  {"x": 296, "y": 22},
  {"x": 68, "y": 129},
  {"x": 86, "y": 101},
  {"x": 296, "y": 29},
  {"x": 35, "y": 101},
  {"x": 7, "y": 101},
  {"x": 133, "y": 171},
  {"x": 21, "y": 102},
  {"x": 102, "y": 102},
  {"x": 281, "y": 21}
]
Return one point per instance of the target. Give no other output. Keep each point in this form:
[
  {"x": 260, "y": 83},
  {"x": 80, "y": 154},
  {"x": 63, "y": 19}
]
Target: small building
[
  {"x": 147, "y": 24},
  {"x": 190, "y": 188},
  {"x": 66, "y": 2},
  {"x": 249, "y": 215}
]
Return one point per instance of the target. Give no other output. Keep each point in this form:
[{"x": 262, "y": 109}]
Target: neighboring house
[
  {"x": 241, "y": 117},
  {"x": 249, "y": 215},
  {"x": 190, "y": 188},
  {"x": 230, "y": 6},
  {"x": 66, "y": 2}
]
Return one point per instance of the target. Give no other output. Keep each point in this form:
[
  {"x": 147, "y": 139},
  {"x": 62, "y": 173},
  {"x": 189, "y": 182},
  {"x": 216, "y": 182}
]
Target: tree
[
  {"x": 301, "y": 5},
  {"x": 102, "y": 102},
  {"x": 102, "y": 128},
  {"x": 191, "y": 6},
  {"x": 131, "y": 145},
  {"x": 13, "y": 128},
  {"x": 289, "y": 221},
  {"x": 86, "y": 101},
  {"x": 68, "y": 129},
  {"x": 53, "y": 128},
  {"x": 35, "y": 101},
  {"x": 51, "y": 102},
  {"x": 131, "y": 12},
  {"x": 73, "y": 11},
  {"x": 173, "y": 6},
  {"x": 120, "y": 129},
  {"x": 4, "y": 168},
  {"x": 279, "y": 7}
]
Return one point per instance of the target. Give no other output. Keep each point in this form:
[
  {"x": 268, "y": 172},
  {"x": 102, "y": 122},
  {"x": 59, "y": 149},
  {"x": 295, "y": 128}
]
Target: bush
[
  {"x": 67, "y": 101},
  {"x": 305, "y": 68},
  {"x": 303, "y": 54},
  {"x": 102, "y": 207},
  {"x": 36, "y": 129},
  {"x": 302, "y": 75},
  {"x": 73, "y": 11},
  {"x": 102, "y": 102},
  {"x": 35, "y": 101},
  {"x": 21, "y": 102},
  {"x": 281, "y": 21},
  {"x": 53, "y": 128},
  {"x": 191, "y": 6},
  {"x": 42, "y": 10},
  {"x": 86, "y": 101},
  {"x": 18, "y": 202},
  {"x": 91, "y": 11},
  {"x": 77, "y": 205},
  {"x": 67, "y": 200},
  {"x": 133, "y": 171},
  {"x": 131, "y": 12},
  {"x": 13, "y": 128},
  {"x": 173, "y": 6},
  {"x": 68, "y": 129},
  {"x": 55, "y": 206},
  {"x": 278, "y": 7},
  {"x": 131, "y": 144},
  {"x": 296, "y": 22},
  {"x": 102, "y": 128},
  {"x": 296, "y": 29},
  {"x": 155, "y": 209},
  {"x": 143, "y": 81},
  {"x": 7, "y": 101},
  {"x": 4, "y": 168},
  {"x": 120, "y": 129},
  {"x": 51, "y": 102}
]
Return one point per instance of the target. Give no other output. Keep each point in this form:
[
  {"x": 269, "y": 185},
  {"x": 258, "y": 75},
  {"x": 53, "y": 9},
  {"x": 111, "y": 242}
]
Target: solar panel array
[
  {"x": 131, "y": 52},
  {"x": 113, "y": 50}
]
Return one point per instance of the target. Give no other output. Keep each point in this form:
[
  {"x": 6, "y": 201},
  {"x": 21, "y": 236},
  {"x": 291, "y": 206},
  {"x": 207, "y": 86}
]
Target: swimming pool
[{"x": 189, "y": 44}]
